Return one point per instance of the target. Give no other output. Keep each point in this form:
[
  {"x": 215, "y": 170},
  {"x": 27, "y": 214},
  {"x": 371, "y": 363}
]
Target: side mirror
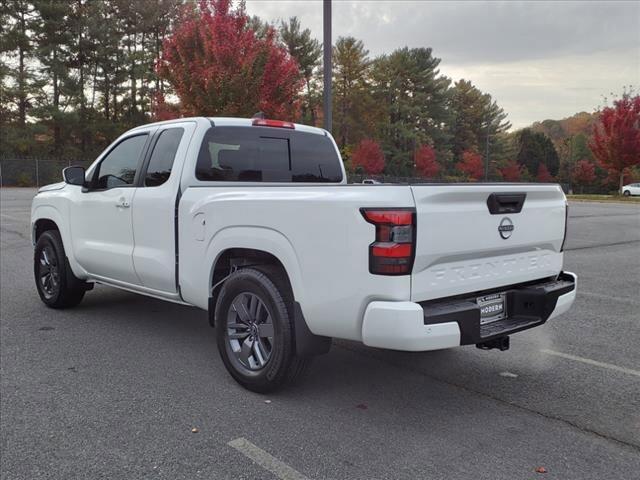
[{"x": 74, "y": 175}]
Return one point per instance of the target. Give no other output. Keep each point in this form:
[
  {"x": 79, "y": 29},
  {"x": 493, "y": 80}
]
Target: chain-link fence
[
  {"x": 33, "y": 172},
  {"x": 360, "y": 178}
]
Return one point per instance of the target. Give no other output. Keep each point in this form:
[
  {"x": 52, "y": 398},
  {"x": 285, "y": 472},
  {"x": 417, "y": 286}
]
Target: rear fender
[{"x": 256, "y": 238}]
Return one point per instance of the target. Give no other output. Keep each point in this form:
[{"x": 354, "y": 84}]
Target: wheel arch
[
  {"x": 42, "y": 225},
  {"x": 245, "y": 247},
  {"x": 48, "y": 217},
  {"x": 258, "y": 244},
  {"x": 232, "y": 258}
]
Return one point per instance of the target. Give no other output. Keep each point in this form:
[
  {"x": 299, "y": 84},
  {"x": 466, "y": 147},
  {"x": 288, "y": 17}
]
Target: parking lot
[{"x": 131, "y": 387}]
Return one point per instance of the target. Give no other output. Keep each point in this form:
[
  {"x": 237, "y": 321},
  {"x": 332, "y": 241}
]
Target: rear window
[
  {"x": 162, "y": 158},
  {"x": 266, "y": 154}
]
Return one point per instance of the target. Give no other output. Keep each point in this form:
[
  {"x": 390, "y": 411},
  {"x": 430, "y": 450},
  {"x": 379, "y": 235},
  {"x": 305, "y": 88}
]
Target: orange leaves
[
  {"x": 511, "y": 172},
  {"x": 471, "y": 165},
  {"x": 584, "y": 172},
  {"x": 543, "y": 174},
  {"x": 426, "y": 163},
  {"x": 369, "y": 156}
]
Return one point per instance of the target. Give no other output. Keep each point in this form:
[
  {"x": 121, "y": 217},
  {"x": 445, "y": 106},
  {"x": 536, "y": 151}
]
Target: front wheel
[
  {"x": 255, "y": 332},
  {"x": 57, "y": 286},
  {"x": 626, "y": 193}
]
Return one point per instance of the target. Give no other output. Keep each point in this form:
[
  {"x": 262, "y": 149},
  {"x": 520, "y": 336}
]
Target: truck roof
[{"x": 235, "y": 122}]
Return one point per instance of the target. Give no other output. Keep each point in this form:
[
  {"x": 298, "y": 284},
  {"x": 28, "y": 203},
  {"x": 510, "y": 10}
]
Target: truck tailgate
[{"x": 461, "y": 247}]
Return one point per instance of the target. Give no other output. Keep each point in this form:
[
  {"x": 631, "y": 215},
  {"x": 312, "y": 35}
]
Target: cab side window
[
  {"x": 164, "y": 153},
  {"x": 119, "y": 167}
]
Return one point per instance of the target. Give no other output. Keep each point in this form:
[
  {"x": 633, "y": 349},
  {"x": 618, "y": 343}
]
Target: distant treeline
[{"x": 74, "y": 75}]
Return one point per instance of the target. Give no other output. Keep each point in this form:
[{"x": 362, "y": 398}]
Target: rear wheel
[
  {"x": 255, "y": 332},
  {"x": 57, "y": 286}
]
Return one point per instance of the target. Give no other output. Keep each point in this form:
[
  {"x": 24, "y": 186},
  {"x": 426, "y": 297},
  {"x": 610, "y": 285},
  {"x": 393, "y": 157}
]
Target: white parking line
[
  {"x": 588, "y": 361},
  {"x": 266, "y": 460},
  {"x": 608, "y": 297}
]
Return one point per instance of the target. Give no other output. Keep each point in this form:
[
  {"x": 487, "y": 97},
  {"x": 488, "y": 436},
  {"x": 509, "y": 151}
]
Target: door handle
[{"x": 122, "y": 203}]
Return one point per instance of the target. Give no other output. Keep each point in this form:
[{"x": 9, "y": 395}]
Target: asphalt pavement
[{"x": 129, "y": 387}]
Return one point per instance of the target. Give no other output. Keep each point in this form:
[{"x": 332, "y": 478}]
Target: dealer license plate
[{"x": 492, "y": 307}]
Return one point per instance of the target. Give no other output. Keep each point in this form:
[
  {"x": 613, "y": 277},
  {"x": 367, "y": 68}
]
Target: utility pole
[
  {"x": 326, "y": 62},
  {"x": 486, "y": 152}
]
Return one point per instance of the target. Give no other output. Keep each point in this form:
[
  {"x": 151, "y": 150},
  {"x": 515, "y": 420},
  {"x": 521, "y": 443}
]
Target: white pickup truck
[{"x": 253, "y": 220}]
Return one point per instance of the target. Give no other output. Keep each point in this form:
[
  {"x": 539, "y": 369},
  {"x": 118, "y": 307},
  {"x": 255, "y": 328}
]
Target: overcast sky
[{"x": 537, "y": 59}]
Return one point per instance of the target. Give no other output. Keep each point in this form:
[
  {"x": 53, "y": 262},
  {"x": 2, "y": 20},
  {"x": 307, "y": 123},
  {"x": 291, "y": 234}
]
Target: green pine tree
[
  {"x": 352, "y": 98},
  {"x": 476, "y": 119},
  {"x": 415, "y": 98},
  {"x": 307, "y": 52}
]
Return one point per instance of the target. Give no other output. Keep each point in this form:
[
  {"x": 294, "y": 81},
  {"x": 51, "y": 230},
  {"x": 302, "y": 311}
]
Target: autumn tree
[
  {"x": 471, "y": 165},
  {"x": 511, "y": 171},
  {"x": 584, "y": 173},
  {"x": 218, "y": 66},
  {"x": 616, "y": 136},
  {"x": 369, "y": 156},
  {"x": 544, "y": 175},
  {"x": 425, "y": 161}
]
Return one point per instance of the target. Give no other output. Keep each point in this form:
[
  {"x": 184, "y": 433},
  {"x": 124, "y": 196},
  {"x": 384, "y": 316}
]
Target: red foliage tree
[
  {"x": 426, "y": 163},
  {"x": 471, "y": 165},
  {"x": 616, "y": 136},
  {"x": 511, "y": 172},
  {"x": 218, "y": 66},
  {"x": 612, "y": 179},
  {"x": 543, "y": 174},
  {"x": 369, "y": 156},
  {"x": 161, "y": 110},
  {"x": 584, "y": 172}
]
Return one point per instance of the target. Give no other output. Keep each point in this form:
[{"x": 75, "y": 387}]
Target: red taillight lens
[
  {"x": 263, "y": 122},
  {"x": 393, "y": 251},
  {"x": 391, "y": 217}
]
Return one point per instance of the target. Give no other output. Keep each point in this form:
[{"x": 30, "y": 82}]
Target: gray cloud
[
  {"x": 468, "y": 31},
  {"x": 552, "y": 51}
]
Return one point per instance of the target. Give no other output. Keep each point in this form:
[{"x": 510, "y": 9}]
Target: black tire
[
  {"x": 57, "y": 286},
  {"x": 626, "y": 193},
  {"x": 282, "y": 366}
]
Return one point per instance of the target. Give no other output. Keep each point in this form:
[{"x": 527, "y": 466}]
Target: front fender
[{"x": 50, "y": 212}]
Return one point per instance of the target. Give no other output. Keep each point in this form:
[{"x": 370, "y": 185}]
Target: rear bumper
[{"x": 451, "y": 322}]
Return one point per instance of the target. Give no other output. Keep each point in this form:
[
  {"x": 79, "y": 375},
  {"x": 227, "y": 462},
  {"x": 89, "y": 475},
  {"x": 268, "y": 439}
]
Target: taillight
[
  {"x": 263, "y": 122},
  {"x": 393, "y": 251},
  {"x": 566, "y": 221}
]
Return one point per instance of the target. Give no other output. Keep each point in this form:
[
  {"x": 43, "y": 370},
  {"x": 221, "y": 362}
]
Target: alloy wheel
[
  {"x": 250, "y": 331},
  {"x": 48, "y": 271}
]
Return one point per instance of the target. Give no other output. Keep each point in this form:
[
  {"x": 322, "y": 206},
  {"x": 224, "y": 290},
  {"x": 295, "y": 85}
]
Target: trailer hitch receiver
[{"x": 501, "y": 343}]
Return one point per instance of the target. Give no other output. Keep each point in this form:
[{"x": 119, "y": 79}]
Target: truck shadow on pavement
[
  {"x": 144, "y": 320},
  {"x": 119, "y": 356}
]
